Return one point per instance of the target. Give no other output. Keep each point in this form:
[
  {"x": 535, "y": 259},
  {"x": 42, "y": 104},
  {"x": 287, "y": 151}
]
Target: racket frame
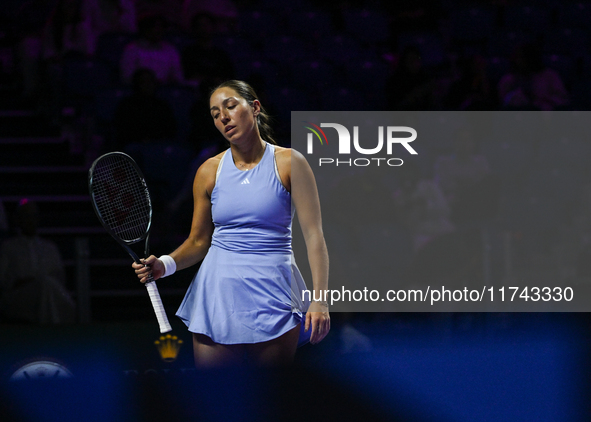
[{"x": 150, "y": 283}]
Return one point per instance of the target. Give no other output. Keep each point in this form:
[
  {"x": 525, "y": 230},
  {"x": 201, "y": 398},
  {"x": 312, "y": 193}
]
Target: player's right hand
[{"x": 150, "y": 265}]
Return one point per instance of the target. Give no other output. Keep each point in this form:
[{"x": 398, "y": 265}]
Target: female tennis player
[{"x": 246, "y": 300}]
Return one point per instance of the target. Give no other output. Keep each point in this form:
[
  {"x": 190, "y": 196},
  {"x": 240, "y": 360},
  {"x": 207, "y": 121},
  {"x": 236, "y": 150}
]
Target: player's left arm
[{"x": 298, "y": 178}]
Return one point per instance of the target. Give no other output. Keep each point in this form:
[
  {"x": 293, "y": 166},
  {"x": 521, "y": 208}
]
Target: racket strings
[{"x": 121, "y": 197}]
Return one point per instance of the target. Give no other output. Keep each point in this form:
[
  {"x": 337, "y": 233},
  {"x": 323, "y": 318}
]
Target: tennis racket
[{"x": 122, "y": 203}]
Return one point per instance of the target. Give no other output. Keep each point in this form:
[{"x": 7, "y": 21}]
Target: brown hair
[{"x": 247, "y": 92}]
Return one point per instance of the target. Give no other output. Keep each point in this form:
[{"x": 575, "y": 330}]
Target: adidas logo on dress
[{"x": 245, "y": 182}]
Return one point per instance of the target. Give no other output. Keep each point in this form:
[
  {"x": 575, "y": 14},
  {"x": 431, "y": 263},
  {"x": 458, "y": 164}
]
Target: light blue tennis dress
[{"x": 248, "y": 288}]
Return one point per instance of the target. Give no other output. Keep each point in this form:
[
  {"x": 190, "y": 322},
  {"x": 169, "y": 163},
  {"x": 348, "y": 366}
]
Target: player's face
[{"x": 232, "y": 115}]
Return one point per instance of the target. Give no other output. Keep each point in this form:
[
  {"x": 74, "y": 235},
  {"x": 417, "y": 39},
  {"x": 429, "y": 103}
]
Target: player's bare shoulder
[
  {"x": 205, "y": 177},
  {"x": 295, "y": 158},
  {"x": 287, "y": 157},
  {"x": 282, "y": 155},
  {"x": 283, "y": 160}
]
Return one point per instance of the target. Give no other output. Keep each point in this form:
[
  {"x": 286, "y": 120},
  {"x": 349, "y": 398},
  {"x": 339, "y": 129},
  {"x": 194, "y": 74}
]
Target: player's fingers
[
  {"x": 314, "y": 334},
  {"x": 142, "y": 270},
  {"x": 325, "y": 328},
  {"x": 322, "y": 328},
  {"x": 149, "y": 260},
  {"x": 318, "y": 322},
  {"x": 137, "y": 266},
  {"x": 307, "y": 324},
  {"x": 146, "y": 277}
]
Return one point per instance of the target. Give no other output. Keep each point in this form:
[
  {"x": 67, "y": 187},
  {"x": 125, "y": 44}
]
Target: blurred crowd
[{"x": 94, "y": 58}]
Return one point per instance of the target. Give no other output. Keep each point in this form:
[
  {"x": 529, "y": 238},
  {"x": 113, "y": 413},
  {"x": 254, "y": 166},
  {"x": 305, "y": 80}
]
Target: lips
[{"x": 229, "y": 128}]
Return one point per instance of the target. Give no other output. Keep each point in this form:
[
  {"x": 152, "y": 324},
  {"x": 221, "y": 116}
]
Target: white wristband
[{"x": 169, "y": 265}]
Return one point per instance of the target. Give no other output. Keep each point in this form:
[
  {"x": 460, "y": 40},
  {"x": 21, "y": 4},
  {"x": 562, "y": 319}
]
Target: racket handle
[{"x": 158, "y": 307}]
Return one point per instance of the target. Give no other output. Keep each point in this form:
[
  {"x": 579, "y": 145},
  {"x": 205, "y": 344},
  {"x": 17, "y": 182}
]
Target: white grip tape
[{"x": 158, "y": 307}]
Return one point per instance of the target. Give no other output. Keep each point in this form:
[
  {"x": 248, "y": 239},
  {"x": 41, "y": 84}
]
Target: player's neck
[{"x": 249, "y": 152}]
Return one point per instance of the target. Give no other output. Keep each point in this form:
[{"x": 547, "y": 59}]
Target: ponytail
[{"x": 265, "y": 129}]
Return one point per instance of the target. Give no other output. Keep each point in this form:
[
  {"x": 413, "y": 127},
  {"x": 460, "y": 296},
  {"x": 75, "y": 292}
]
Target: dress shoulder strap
[
  {"x": 274, "y": 161},
  {"x": 219, "y": 169}
]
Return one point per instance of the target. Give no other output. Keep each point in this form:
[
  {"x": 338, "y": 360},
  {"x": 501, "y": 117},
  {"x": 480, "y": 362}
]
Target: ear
[{"x": 256, "y": 107}]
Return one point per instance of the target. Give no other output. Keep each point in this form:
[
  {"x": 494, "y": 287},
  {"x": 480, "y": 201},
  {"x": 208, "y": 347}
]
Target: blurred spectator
[
  {"x": 151, "y": 52},
  {"x": 464, "y": 177},
  {"x": 471, "y": 89},
  {"x": 111, "y": 16},
  {"x": 32, "y": 274},
  {"x": 223, "y": 13},
  {"x": 462, "y": 168},
  {"x": 530, "y": 84},
  {"x": 421, "y": 207},
  {"x": 143, "y": 117},
  {"x": 31, "y": 20},
  {"x": 68, "y": 32},
  {"x": 202, "y": 61},
  {"x": 67, "y": 35},
  {"x": 410, "y": 87},
  {"x": 75, "y": 25},
  {"x": 170, "y": 10},
  {"x": 443, "y": 253}
]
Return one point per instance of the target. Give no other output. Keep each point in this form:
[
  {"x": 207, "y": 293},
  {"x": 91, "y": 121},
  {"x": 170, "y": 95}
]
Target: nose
[{"x": 224, "y": 116}]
